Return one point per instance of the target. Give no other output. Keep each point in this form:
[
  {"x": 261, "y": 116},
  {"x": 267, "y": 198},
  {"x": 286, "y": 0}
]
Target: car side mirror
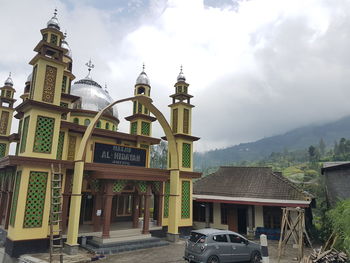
[{"x": 246, "y": 241}]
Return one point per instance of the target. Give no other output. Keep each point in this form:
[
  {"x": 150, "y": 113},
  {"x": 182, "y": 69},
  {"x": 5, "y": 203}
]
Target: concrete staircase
[{"x": 121, "y": 241}]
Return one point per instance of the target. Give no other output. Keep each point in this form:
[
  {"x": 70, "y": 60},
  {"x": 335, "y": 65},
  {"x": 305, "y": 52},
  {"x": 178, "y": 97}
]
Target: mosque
[{"x": 119, "y": 186}]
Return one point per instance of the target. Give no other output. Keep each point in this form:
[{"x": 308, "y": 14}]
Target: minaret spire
[
  {"x": 53, "y": 22},
  {"x": 9, "y": 81},
  {"x": 90, "y": 67}
]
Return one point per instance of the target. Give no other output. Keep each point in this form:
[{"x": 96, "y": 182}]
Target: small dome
[
  {"x": 181, "y": 76},
  {"x": 53, "y": 22},
  {"x": 93, "y": 96},
  {"x": 65, "y": 45},
  {"x": 143, "y": 78},
  {"x": 9, "y": 81},
  {"x": 29, "y": 78}
]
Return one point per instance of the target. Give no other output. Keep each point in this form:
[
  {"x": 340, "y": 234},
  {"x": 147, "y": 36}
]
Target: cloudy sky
[{"x": 256, "y": 68}]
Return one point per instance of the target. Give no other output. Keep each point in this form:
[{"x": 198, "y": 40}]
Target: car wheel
[
  {"x": 256, "y": 257},
  {"x": 213, "y": 259}
]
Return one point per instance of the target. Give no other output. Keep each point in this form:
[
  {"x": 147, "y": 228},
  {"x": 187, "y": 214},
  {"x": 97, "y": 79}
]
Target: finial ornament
[
  {"x": 9, "y": 81},
  {"x": 53, "y": 22},
  {"x": 181, "y": 76},
  {"x": 143, "y": 67},
  {"x": 90, "y": 67}
]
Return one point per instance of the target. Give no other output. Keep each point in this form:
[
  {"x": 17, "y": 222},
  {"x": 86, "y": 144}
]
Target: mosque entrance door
[{"x": 87, "y": 204}]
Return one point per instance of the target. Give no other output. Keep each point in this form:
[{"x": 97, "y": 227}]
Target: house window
[
  {"x": 86, "y": 122},
  {"x": 272, "y": 217},
  {"x": 199, "y": 211}
]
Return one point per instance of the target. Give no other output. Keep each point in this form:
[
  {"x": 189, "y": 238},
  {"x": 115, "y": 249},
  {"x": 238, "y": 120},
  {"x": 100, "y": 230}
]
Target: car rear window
[
  {"x": 197, "y": 237},
  {"x": 220, "y": 238}
]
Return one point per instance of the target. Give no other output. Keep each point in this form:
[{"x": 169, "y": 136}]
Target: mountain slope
[{"x": 297, "y": 139}]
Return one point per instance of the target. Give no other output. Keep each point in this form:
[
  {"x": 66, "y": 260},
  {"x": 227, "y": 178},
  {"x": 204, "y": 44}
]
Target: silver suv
[{"x": 218, "y": 246}]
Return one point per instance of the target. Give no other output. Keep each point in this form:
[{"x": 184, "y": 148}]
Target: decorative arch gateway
[{"x": 173, "y": 188}]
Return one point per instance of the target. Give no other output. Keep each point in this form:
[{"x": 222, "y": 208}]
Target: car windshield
[{"x": 197, "y": 237}]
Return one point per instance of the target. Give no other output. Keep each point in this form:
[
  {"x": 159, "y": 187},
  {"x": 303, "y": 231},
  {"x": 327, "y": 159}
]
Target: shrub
[{"x": 339, "y": 218}]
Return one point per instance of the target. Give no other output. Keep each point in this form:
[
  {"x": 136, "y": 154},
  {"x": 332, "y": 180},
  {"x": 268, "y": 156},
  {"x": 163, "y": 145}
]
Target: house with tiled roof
[{"x": 243, "y": 199}]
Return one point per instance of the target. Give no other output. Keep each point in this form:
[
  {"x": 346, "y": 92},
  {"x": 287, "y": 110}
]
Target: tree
[
  {"x": 159, "y": 155},
  {"x": 314, "y": 155}
]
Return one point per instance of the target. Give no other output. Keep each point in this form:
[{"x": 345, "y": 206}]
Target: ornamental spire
[
  {"x": 9, "y": 81},
  {"x": 181, "y": 76},
  {"x": 90, "y": 67},
  {"x": 53, "y": 22}
]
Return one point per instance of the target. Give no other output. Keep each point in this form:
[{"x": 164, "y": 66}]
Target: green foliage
[
  {"x": 339, "y": 218},
  {"x": 159, "y": 155}
]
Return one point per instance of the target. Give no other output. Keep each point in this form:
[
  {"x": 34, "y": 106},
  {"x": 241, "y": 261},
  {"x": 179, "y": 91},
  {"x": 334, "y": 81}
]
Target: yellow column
[
  {"x": 174, "y": 205},
  {"x": 75, "y": 203}
]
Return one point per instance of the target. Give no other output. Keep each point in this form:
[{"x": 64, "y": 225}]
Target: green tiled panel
[
  {"x": 43, "y": 134},
  {"x": 35, "y": 204},
  {"x": 185, "y": 199},
  {"x": 60, "y": 146},
  {"x": 64, "y": 84},
  {"x": 24, "y": 134},
  {"x": 15, "y": 198},
  {"x": 133, "y": 128},
  {"x": 2, "y": 149},
  {"x": 95, "y": 185},
  {"x": 145, "y": 128},
  {"x": 142, "y": 186},
  {"x": 119, "y": 185},
  {"x": 64, "y": 105},
  {"x": 186, "y": 155},
  {"x": 166, "y": 199},
  {"x": 156, "y": 186}
]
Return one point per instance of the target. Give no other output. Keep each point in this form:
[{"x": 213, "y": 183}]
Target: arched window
[
  {"x": 107, "y": 125},
  {"x": 113, "y": 128},
  {"x": 98, "y": 125},
  {"x": 86, "y": 122},
  {"x": 141, "y": 90},
  {"x": 76, "y": 120}
]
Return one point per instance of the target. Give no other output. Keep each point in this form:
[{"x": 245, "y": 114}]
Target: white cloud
[{"x": 256, "y": 70}]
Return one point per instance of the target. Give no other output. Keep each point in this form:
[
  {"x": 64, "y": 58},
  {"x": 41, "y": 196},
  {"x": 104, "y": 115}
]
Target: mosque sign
[{"x": 118, "y": 154}]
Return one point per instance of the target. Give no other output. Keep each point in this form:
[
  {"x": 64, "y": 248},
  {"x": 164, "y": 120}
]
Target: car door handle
[{"x": 233, "y": 247}]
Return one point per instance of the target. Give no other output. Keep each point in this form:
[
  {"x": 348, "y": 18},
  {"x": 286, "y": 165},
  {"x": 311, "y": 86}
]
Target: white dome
[
  {"x": 9, "y": 81},
  {"x": 29, "y": 78},
  {"x": 142, "y": 79},
  {"x": 93, "y": 96},
  {"x": 65, "y": 45},
  {"x": 181, "y": 76},
  {"x": 53, "y": 22}
]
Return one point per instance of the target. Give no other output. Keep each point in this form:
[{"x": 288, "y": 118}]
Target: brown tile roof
[{"x": 250, "y": 182}]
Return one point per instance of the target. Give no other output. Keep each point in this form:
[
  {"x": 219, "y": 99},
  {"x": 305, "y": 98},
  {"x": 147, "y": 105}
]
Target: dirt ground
[{"x": 174, "y": 253}]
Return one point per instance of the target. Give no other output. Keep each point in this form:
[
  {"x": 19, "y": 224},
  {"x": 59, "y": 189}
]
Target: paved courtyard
[{"x": 174, "y": 253}]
